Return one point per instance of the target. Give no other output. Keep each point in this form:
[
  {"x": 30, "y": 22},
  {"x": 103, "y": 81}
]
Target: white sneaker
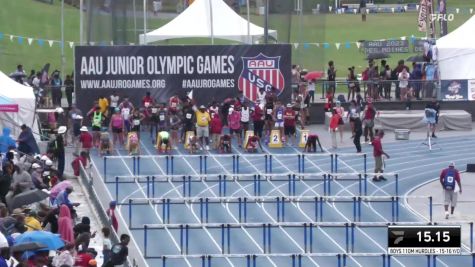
[
  {"x": 446, "y": 215},
  {"x": 207, "y": 147}
]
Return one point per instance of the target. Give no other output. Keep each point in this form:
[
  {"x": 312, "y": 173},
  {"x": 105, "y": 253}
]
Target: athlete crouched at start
[
  {"x": 163, "y": 142},
  {"x": 311, "y": 144},
  {"x": 225, "y": 144},
  {"x": 253, "y": 143},
  {"x": 133, "y": 146},
  {"x": 193, "y": 145},
  {"x": 106, "y": 145}
]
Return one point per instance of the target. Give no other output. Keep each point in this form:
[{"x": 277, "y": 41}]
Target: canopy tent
[
  {"x": 17, "y": 106},
  {"x": 456, "y": 53},
  {"x": 207, "y": 19}
]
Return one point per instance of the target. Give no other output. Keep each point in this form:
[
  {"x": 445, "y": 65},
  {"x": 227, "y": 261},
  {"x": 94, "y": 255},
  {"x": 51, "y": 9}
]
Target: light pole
[{"x": 63, "y": 59}]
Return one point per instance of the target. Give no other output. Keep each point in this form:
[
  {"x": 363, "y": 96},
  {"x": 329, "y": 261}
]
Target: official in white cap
[{"x": 60, "y": 154}]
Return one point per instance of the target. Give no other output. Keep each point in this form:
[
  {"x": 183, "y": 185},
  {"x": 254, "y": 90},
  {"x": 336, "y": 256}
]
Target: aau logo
[{"x": 260, "y": 72}]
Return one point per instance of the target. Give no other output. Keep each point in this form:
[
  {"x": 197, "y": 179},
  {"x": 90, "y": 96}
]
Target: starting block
[
  {"x": 275, "y": 139},
  {"x": 246, "y": 137},
  {"x": 187, "y": 138},
  {"x": 303, "y": 138}
]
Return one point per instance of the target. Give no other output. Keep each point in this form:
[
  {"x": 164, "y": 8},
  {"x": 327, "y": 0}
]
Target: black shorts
[
  {"x": 117, "y": 130},
  {"x": 268, "y": 117},
  {"x": 289, "y": 130},
  {"x": 235, "y": 131},
  {"x": 96, "y": 128},
  {"x": 135, "y": 129}
]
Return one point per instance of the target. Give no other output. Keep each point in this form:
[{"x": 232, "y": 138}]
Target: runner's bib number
[
  {"x": 136, "y": 122},
  {"x": 161, "y": 117},
  {"x": 188, "y": 116},
  {"x": 154, "y": 110},
  {"x": 269, "y": 111}
]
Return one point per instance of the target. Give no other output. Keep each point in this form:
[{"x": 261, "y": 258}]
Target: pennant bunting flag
[
  {"x": 50, "y": 42},
  {"x": 358, "y": 45},
  {"x": 403, "y": 38},
  {"x": 1, "y": 35},
  {"x": 41, "y": 42},
  {"x": 30, "y": 40},
  {"x": 20, "y": 40},
  {"x": 337, "y": 46},
  {"x": 347, "y": 45},
  {"x": 11, "y": 37},
  {"x": 471, "y": 11},
  {"x": 296, "y": 45},
  {"x": 317, "y": 44},
  {"x": 457, "y": 10},
  {"x": 71, "y": 44},
  {"x": 112, "y": 42},
  {"x": 306, "y": 46},
  {"x": 326, "y": 45}
]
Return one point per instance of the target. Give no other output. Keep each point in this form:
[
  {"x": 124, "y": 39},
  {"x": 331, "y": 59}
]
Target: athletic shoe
[
  {"x": 433, "y": 136},
  {"x": 376, "y": 179},
  {"x": 207, "y": 147},
  {"x": 446, "y": 215},
  {"x": 382, "y": 178}
]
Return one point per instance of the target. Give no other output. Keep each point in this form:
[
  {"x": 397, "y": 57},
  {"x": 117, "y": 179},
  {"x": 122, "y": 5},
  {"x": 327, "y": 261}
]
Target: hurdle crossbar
[{"x": 294, "y": 224}]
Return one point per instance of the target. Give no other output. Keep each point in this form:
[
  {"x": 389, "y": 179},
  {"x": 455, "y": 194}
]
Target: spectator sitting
[{"x": 31, "y": 222}]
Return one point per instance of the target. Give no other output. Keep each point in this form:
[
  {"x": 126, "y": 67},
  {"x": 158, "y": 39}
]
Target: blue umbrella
[{"x": 50, "y": 240}]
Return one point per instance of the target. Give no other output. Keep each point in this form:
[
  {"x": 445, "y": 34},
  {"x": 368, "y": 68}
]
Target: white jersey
[{"x": 245, "y": 115}]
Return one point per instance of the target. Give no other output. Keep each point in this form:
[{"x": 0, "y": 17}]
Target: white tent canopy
[
  {"x": 12, "y": 92},
  {"x": 207, "y": 19},
  {"x": 456, "y": 53}
]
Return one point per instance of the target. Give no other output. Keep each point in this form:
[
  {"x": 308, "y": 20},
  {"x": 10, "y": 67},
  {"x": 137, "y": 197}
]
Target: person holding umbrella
[{"x": 26, "y": 141}]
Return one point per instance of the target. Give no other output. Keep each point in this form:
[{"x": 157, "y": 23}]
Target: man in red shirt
[
  {"x": 334, "y": 123},
  {"x": 378, "y": 153},
  {"x": 449, "y": 178},
  {"x": 289, "y": 124},
  {"x": 369, "y": 114}
]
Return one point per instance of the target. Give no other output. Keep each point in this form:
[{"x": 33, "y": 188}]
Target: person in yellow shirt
[
  {"x": 103, "y": 104},
  {"x": 202, "y": 126},
  {"x": 31, "y": 222}
]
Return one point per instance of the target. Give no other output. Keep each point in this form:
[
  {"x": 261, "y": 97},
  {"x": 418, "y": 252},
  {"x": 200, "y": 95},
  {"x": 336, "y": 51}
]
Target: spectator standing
[
  {"x": 450, "y": 179},
  {"x": 56, "y": 84},
  {"x": 386, "y": 77},
  {"x": 126, "y": 110},
  {"x": 69, "y": 89},
  {"x": 403, "y": 79},
  {"x": 245, "y": 117},
  {"x": 331, "y": 76},
  {"x": 290, "y": 125},
  {"x": 258, "y": 119},
  {"x": 216, "y": 128},
  {"x": 202, "y": 126},
  {"x": 378, "y": 154},
  {"x": 106, "y": 244},
  {"x": 351, "y": 83},
  {"x": 117, "y": 125},
  {"x": 363, "y": 10},
  {"x": 114, "y": 102},
  {"x": 334, "y": 123},
  {"x": 341, "y": 112},
  {"x": 369, "y": 114},
  {"x": 357, "y": 133},
  {"x": 26, "y": 141},
  {"x": 111, "y": 215},
  {"x": 83, "y": 158},
  {"x": 353, "y": 113},
  {"x": 311, "y": 89},
  {"x": 234, "y": 121},
  {"x": 416, "y": 80}
]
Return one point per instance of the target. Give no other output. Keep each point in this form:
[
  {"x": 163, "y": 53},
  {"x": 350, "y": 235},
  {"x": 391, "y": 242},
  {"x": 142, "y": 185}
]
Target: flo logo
[
  {"x": 260, "y": 73},
  {"x": 441, "y": 17}
]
